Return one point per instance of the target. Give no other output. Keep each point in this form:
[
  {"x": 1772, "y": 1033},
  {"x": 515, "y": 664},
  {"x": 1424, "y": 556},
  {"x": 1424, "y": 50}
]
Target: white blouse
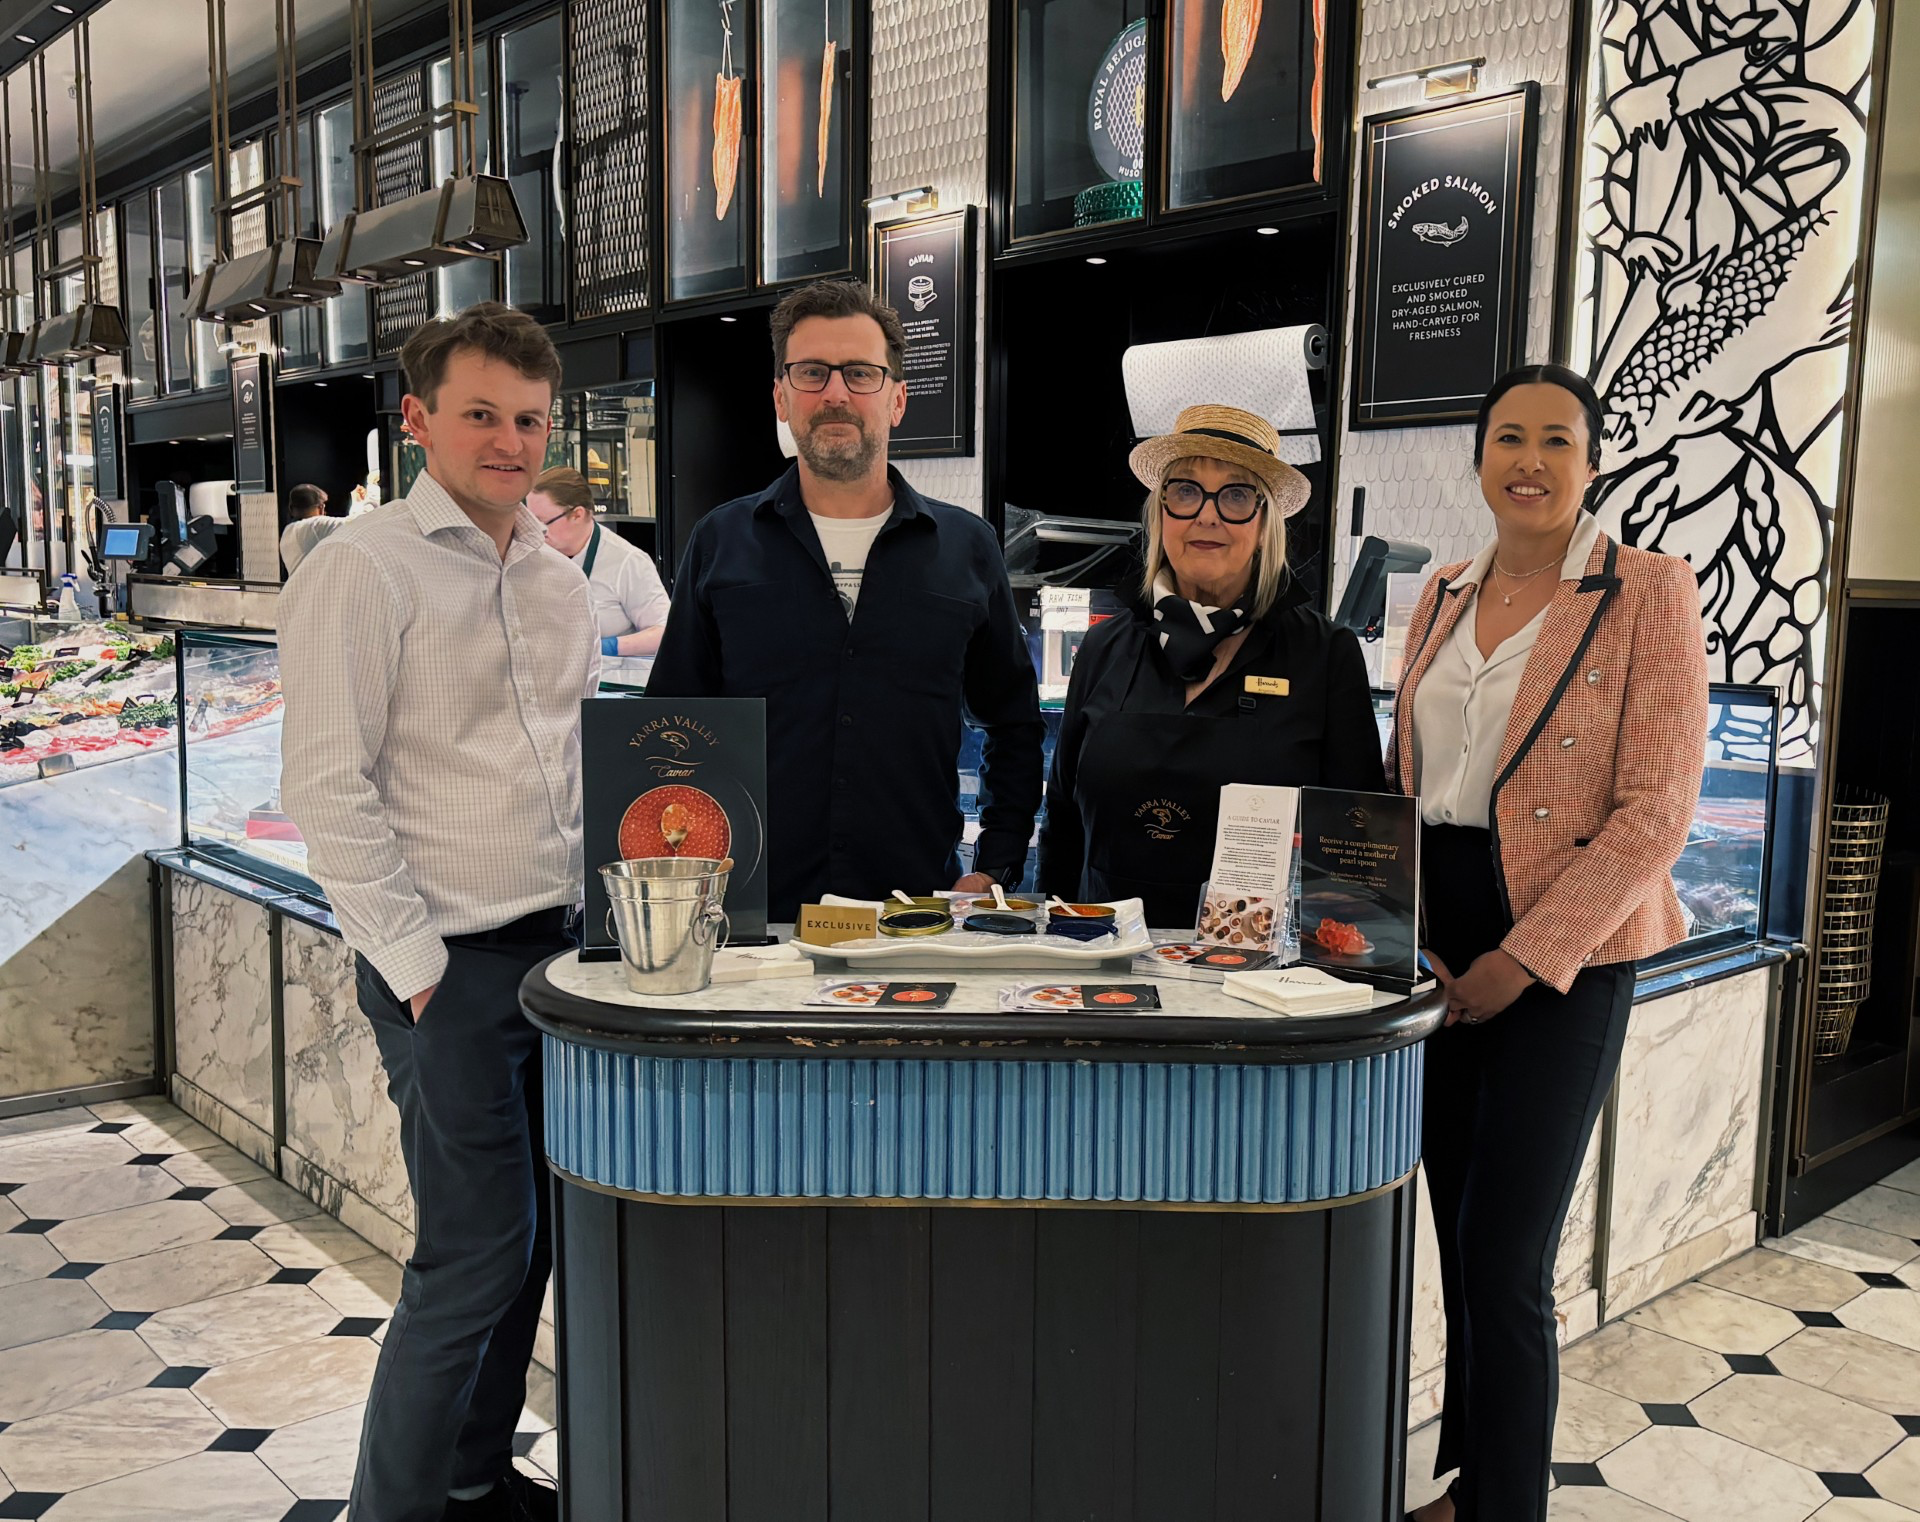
[{"x": 1463, "y": 702}]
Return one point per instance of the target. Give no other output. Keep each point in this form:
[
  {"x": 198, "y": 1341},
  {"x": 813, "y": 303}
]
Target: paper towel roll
[{"x": 1263, "y": 372}]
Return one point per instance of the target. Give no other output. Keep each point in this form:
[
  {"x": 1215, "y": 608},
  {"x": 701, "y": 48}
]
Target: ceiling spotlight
[
  {"x": 23, "y": 37},
  {"x": 729, "y": 319},
  {"x": 65, "y": 10},
  {"x": 321, "y": 384},
  {"x": 1266, "y": 232},
  {"x": 1095, "y": 259}
]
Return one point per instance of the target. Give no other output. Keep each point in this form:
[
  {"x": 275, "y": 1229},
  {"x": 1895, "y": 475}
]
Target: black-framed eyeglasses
[
  {"x": 862, "y": 379},
  {"x": 1235, "y": 502},
  {"x": 548, "y": 523}
]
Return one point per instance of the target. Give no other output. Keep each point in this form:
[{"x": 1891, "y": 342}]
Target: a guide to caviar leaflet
[
  {"x": 1245, "y": 901},
  {"x": 1360, "y": 884}
]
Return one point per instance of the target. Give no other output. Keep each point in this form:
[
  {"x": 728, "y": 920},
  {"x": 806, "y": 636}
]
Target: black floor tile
[
  {"x": 1750, "y": 1363},
  {"x": 295, "y": 1276},
  {"x": 239, "y": 1234},
  {"x": 148, "y": 1159},
  {"x": 1662, "y": 1415},
  {"x": 120, "y": 1321},
  {"x": 523, "y": 1443},
  {"x": 1579, "y": 1474},
  {"x": 1911, "y": 1423},
  {"x": 1818, "y": 1318},
  {"x": 75, "y": 1270},
  {"x": 1883, "y": 1281},
  {"x": 239, "y": 1440},
  {"x": 29, "y": 1503},
  {"x": 33, "y": 1228},
  {"x": 1848, "y": 1485},
  {"x": 177, "y": 1377},
  {"x": 357, "y": 1326},
  {"x": 112, "y": 1127},
  {"x": 6, "y": 1189},
  {"x": 191, "y": 1192},
  {"x": 315, "y": 1511}
]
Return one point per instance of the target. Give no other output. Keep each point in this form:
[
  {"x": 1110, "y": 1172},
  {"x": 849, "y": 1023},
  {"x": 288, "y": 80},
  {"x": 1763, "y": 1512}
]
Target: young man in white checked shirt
[{"x": 434, "y": 653}]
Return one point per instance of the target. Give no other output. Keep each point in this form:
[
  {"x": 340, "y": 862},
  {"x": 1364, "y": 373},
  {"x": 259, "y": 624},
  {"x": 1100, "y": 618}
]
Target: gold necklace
[{"x": 1526, "y": 576}]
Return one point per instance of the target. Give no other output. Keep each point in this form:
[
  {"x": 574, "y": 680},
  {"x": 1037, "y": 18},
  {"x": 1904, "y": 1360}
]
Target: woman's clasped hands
[{"x": 1486, "y": 988}]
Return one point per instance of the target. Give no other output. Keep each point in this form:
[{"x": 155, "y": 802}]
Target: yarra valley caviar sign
[
  {"x": 923, "y": 269},
  {"x": 1446, "y": 221}
]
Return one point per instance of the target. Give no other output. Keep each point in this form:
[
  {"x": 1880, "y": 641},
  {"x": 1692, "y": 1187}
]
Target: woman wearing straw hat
[{"x": 1224, "y": 673}]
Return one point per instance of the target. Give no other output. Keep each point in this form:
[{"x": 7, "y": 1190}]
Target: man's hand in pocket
[{"x": 421, "y": 1000}]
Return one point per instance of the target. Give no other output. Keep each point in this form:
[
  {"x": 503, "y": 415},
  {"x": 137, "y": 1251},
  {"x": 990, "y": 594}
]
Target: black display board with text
[
  {"x": 924, "y": 269},
  {"x": 109, "y": 481},
  {"x": 675, "y": 777},
  {"x": 1360, "y": 885},
  {"x": 1446, "y": 219},
  {"x": 252, "y": 386}
]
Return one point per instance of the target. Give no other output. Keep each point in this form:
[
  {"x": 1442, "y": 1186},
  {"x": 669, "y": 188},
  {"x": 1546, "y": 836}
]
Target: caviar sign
[
  {"x": 1446, "y": 217},
  {"x": 923, "y": 269}
]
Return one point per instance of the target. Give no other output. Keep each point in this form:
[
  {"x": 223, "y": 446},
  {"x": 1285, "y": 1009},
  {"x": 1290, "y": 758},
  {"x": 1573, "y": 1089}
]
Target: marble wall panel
[
  {"x": 233, "y": 1128},
  {"x": 1688, "y": 1142},
  {"x": 339, "y": 1119},
  {"x": 222, "y": 1000},
  {"x": 76, "y": 998}
]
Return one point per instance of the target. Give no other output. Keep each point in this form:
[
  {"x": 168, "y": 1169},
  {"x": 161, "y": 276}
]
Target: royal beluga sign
[{"x": 1446, "y": 217}]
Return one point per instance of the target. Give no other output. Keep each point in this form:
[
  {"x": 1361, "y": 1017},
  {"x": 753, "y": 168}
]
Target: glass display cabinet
[
  {"x": 804, "y": 97},
  {"x": 1721, "y": 877},
  {"x": 229, "y": 720},
  {"x": 1080, "y": 114},
  {"x": 1244, "y": 97},
  {"x": 709, "y": 62},
  {"x": 77, "y": 695}
]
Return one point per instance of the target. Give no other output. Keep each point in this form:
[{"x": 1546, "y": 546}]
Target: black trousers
[
  {"x": 1510, "y": 1105},
  {"x": 452, "y": 1374}
]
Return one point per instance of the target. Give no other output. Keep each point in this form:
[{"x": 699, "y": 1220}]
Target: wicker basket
[{"x": 1856, "y": 841}]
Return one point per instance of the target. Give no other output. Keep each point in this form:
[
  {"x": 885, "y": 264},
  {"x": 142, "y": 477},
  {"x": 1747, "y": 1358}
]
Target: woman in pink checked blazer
[{"x": 1552, "y": 721}]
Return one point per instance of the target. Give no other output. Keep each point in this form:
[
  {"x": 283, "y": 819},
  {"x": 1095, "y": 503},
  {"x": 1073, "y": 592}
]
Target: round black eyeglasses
[{"x": 1236, "y": 502}]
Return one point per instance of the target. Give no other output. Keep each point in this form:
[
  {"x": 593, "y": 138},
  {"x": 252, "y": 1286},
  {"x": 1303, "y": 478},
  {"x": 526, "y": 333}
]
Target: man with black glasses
[{"x": 866, "y": 615}]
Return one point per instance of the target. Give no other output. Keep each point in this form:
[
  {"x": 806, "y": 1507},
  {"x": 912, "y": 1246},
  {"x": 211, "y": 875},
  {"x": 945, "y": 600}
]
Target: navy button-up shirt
[{"x": 863, "y": 716}]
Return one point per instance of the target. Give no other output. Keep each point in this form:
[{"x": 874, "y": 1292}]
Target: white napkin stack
[{"x": 1298, "y": 990}]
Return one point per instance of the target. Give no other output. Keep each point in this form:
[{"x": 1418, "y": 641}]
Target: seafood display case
[
  {"x": 709, "y": 61},
  {"x": 806, "y": 74},
  {"x": 1722, "y": 876},
  {"x": 1080, "y": 114},
  {"x": 74, "y": 695},
  {"x": 230, "y": 710}
]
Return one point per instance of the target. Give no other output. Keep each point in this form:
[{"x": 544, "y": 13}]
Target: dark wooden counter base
[{"x": 795, "y": 1363}]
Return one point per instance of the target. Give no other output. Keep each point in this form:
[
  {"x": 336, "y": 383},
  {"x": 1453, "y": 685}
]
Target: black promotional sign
[
  {"x": 252, "y": 386},
  {"x": 107, "y": 482},
  {"x": 1446, "y": 215},
  {"x": 923, "y": 269},
  {"x": 675, "y": 777},
  {"x": 1360, "y": 885}
]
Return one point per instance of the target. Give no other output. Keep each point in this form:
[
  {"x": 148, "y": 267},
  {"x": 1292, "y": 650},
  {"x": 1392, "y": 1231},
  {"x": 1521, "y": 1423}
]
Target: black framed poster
[
  {"x": 923, "y": 268},
  {"x": 1446, "y": 222},
  {"x": 675, "y": 777},
  {"x": 109, "y": 484},
  {"x": 252, "y": 386}
]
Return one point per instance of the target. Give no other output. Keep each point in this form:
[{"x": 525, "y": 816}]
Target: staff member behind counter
[
  {"x": 1223, "y": 674},
  {"x": 629, "y": 604},
  {"x": 865, "y": 614}
]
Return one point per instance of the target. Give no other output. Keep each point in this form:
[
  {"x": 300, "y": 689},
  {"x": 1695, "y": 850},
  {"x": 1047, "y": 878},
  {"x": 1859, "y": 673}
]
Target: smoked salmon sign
[{"x": 1446, "y": 204}]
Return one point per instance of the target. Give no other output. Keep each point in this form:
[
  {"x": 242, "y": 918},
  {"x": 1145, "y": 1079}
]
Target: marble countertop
[{"x": 589, "y": 1003}]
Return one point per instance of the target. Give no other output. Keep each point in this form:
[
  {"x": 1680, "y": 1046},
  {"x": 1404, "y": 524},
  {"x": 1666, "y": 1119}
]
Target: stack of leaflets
[
  {"x": 1299, "y": 990},
  {"x": 1201, "y": 961}
]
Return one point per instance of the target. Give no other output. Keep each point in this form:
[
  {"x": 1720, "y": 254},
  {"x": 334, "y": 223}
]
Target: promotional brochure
[
  {"x": 1245, "y": 901},
  {"x": 1360, "y": 885},
  {"x": 675, "y": 778}
]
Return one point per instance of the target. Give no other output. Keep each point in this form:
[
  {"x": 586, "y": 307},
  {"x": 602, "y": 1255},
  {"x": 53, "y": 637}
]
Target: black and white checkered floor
[{"x": 183, "y": 1336}]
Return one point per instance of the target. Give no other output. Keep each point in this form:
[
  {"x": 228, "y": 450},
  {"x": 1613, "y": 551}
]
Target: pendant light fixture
[
  {"x": 282, "y": 277},
  {"x": 94, "y": 327},
  {"x": 469, "y": 215}
]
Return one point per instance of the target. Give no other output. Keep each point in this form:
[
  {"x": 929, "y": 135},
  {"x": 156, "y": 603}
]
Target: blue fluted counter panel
[{"x": 857, "y": 1128}]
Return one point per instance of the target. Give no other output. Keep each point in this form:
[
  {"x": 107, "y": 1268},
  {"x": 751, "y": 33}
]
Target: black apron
[{"x": 1149, "y": 795}]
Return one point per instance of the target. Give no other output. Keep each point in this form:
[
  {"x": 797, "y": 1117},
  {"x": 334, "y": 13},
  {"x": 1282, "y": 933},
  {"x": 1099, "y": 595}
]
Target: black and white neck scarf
[{"x": 1190, "y": 632}]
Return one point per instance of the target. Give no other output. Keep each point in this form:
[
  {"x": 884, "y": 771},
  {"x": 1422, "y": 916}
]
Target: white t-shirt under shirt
[
  {"x": 627, "y": 594},
  {"x": 848, "y": 542}
]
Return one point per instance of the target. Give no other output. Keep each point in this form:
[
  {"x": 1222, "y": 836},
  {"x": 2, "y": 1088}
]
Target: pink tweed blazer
[{"x": 1597, "y": 779}]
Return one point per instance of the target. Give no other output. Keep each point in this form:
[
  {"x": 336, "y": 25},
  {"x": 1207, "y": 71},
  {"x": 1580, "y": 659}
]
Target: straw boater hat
[{"x": 1228, "y": 434}]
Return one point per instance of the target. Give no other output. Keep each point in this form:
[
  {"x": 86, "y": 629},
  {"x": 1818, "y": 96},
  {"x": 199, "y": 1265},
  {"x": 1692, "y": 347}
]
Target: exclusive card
[
  {"x": 675, "y": 777},
  {"x": 1071, "y": 998},
  {"x": 1360, "y": 885},
  {"x": 1201, "y": 961}
]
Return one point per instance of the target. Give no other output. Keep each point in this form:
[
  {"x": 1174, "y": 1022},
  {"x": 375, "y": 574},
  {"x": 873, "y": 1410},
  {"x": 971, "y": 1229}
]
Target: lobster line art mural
[{"x": 1720, "y": 229}]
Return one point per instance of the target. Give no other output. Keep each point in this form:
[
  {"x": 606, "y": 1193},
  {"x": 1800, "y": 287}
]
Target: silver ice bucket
[{"x": 666, "y": 915}]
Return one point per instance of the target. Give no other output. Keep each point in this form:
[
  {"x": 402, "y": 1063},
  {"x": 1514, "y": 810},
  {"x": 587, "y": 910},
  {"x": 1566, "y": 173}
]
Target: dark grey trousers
[{"x": 452, "y": 1375}]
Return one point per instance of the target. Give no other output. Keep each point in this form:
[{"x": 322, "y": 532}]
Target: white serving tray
[{"x": 971, "y": 951}]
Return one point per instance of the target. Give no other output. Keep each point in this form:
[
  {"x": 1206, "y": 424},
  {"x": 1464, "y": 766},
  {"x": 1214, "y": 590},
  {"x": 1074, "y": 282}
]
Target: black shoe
[
  {"x": 529, "y": 1499},
  {"x": 495, "y": 1506}
]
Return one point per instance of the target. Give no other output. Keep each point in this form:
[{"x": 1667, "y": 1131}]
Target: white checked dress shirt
[
  {"x": 431, "y": 739},
  {"x": 1460, "y": 710}
]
